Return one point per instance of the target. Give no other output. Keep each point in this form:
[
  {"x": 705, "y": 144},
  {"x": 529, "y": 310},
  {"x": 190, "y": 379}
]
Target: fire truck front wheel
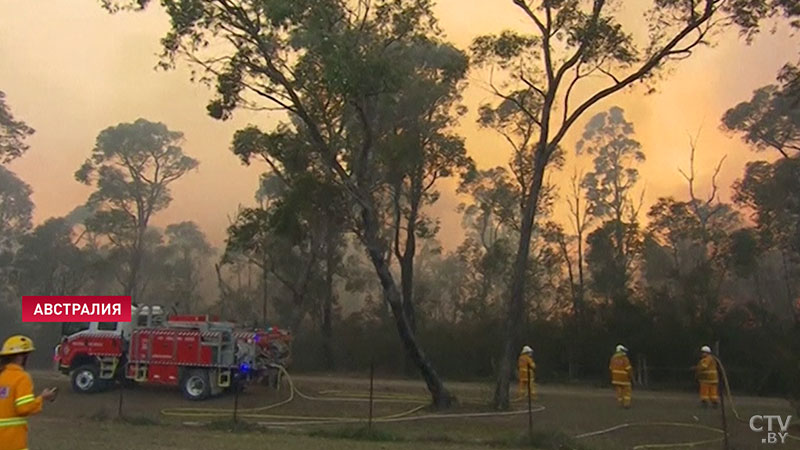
[
  {"x": 85, "y": 379},
  {"x": 196, "y": 385}
]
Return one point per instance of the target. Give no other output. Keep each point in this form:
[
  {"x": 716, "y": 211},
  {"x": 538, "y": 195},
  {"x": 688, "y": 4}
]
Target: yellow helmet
[{"x": 16, "y": 345}]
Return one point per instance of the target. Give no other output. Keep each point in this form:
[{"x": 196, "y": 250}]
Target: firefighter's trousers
[
  {"x": 624, "y": 393},
  {"x": 522, "y": 390},
  {"x": 709, "y": 393}
]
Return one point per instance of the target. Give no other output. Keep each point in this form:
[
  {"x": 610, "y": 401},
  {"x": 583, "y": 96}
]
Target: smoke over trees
[{"x": 362, "y": 104}]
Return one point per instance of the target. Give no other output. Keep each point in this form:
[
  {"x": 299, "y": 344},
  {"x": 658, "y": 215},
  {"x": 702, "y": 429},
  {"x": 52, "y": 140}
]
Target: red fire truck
[{"x": 201, "y": 354}]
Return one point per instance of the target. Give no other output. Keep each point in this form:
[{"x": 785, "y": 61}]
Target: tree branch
[{"x": 649, "y": 65}]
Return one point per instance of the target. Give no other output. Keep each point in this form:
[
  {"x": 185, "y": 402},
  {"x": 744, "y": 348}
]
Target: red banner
[{"x": 81, "y": 308}]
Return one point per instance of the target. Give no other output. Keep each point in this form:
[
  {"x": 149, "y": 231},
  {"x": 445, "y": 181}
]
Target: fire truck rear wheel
[
  {"x": 85, "y": 379},
  {"x": 196, "y": 385}
]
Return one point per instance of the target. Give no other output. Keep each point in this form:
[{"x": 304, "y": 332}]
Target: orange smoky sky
[{"x": 70, "y": 69}]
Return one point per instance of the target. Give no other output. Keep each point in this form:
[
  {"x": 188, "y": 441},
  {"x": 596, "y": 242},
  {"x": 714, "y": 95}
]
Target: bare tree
[
  {"x": 580, "y": 220},
  {"x": 704, "y": 209}
]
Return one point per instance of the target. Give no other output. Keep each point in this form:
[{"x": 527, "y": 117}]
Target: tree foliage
[
  {"x": 609, "y": 139},
  {"x": 186, "y": 255},
  {"x": 131, "y": 167},
  {"x": 49, "y": 262},
  {"x": 751, "y": 15},
  {"x": 16, "y": 209},
  {"x": 771, "y": 190},
  {"x": 13, "y": 133},
  {"x": 696, "y": 234},
  {"x": 771, "y": 118},
  {"x": 422, "y": 149},
  {"x": 491, "y": 221}
]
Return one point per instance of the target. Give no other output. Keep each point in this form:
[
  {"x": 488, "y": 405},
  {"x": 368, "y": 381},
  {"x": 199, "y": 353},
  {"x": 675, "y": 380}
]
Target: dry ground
[{"x": 87, "y": 422}]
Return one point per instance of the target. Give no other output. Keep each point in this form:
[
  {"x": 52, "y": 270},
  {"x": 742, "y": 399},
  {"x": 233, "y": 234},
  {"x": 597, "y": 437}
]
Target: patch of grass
[
  {"x": 63, "y": 433},
  {"x": 359, "y": 434},
  {"x": 441, "y": 439},
  {"x": 100, "y": 415},
  {"x": 138, "y": 420},
  {"x": 551, "y": 440},
  {"x": 540, "y": 441},
  {"x": 230, "y": 426},
  {"x": 795, "y": 402}
]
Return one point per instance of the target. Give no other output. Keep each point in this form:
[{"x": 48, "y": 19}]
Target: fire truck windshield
[{"x": 70, "y": 328}]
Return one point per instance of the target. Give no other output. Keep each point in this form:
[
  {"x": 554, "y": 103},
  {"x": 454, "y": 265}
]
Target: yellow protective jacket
[
  {"x": 17, "y": 402},
  {"x": 523, "y": 364},
  {"x": 621, "y": 370},
  {"x": 707, "y": 370}
]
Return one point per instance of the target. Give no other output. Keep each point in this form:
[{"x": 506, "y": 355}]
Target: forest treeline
[{"x": 340, "y": 242}]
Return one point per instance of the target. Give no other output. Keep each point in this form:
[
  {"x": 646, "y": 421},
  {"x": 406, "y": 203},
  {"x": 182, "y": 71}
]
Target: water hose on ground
[
  {"x": 729, "y": 396},
  {"x": 289, "y": 420},
  {"x": 421, "y": 403},
  {"x": 659, "y": 424},
  {"x": 399, "y": 398}
]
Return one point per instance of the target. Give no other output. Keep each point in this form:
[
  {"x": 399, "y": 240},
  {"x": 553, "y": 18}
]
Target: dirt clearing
[{"x": 87, "y": 421}]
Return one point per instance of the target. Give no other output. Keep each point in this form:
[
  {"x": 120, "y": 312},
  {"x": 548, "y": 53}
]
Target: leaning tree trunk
[
  {"x": 407, "y": 265},
  {"x": 516, "y": 302},
  {"x": 327, "y": 307},
  {"x": 406, "y": 260},
  {"x": 407, "y": 285},
  {"x": 440, "y": 396}
]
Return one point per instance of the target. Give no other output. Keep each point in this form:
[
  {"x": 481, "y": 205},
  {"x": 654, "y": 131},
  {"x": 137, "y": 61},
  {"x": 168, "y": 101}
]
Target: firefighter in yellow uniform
[
  {"x": 525, "y": 372},
  {"x": 708, "y": 378},
  {"x": 17, "y": 400},
  {"x": 621, "y": 376}
]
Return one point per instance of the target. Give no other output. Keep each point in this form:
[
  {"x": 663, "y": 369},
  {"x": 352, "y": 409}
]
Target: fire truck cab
[{"x": 200, "y": 354}]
